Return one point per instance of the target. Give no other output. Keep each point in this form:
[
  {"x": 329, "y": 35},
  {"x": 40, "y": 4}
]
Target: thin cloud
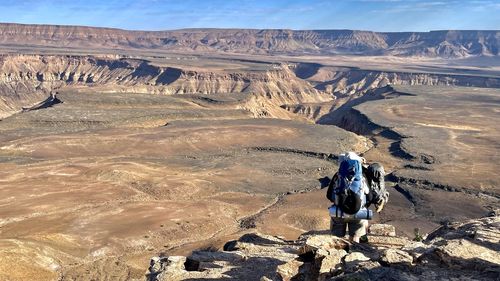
[{"x": 417, "y": 6}]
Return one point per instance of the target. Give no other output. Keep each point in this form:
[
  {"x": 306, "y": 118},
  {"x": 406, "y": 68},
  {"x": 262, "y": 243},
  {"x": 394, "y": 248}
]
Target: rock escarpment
[
  {"x": 140, "y": 75},
  {"x": 456, "y": 251},
  {"x": 272, "y": 91},
  {"x": 355, "y": 81},
  {"x": 445, "y": 43},
  {"x": 28, "y": 79},
  {"x": 344, "y": 81}
]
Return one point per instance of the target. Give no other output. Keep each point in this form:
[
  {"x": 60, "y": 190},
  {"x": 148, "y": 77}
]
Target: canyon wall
[
  {"x": 446, "y": 43},
  {"x": 29, "y": 79}
]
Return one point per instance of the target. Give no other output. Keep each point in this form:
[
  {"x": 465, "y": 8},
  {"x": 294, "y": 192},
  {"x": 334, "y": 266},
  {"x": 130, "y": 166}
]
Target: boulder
[
  {"x": 382, "y": 230},
  {"x": 156, "y": 267},
  {"x": 470, "y": 246},
  {"x": 323, "y": 242},
  {"x": 172, "y": 266},
  {"x": 415, "y": 249},
  {"x": 296, "y": 270},
  {"x": 464, "y": 254},
  {"x": 388, "y": 241},
  {"x": 176, "y": 262},
  {"x": 485, "y": 229},
  {"x": 354, "y": 261},
  {"x": 396, "y": 257},
  {"x": 331, "y": 264},
  {"x": 289, "y": 270},
  {"x": 356, "y": 256}
]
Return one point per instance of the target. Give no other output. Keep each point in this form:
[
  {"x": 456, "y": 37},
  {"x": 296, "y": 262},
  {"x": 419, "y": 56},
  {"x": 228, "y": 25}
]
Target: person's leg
[
  {"x": 338, "y": 227},
  {"x": 357, "y": 228}
]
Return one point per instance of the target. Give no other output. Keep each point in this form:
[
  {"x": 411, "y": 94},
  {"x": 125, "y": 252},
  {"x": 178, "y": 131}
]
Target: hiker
[{"x": 352, "y": 190}]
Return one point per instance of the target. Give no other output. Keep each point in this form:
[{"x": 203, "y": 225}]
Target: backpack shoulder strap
[{"x": 331, "y": 187}]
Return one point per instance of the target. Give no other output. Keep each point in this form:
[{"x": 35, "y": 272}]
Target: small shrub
[{"x": 418, "y": 236}]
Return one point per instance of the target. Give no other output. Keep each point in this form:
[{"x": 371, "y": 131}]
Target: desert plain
[{"x": 110, "y": 157}]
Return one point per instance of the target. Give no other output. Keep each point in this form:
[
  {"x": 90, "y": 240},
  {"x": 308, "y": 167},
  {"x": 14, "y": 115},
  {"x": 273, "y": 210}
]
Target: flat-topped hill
[{"x": 445, "y": 43}]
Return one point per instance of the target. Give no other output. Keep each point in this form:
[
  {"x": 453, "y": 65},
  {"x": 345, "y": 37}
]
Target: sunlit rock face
[
  {"x": 445, "y": 43},
  {"x": 449, "y": 252}
]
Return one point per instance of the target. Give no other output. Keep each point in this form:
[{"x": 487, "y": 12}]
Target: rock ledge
[{"x": 461, "y": 251}]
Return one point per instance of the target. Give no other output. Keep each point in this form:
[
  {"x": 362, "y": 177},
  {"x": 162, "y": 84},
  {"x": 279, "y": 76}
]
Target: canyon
[{"x": 117, "y": 145}]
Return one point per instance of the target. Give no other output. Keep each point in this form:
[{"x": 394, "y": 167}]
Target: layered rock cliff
[
  {"x": 446, "y": 43},
  {"x": 456, "y": 251},
  {"x": 346, "y": 81},
  {"x": 28, "y": 79}
]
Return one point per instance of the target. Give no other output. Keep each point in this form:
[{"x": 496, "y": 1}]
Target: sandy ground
[
  {"x": 98, "y": 195},
  {"x": 95, "y": 186}
]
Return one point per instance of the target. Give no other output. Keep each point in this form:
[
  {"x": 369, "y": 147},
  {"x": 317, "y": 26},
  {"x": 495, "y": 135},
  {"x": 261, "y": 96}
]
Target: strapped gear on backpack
[
  {"x": 349, "y": 194},
  {"x": 374, "y": 175}
]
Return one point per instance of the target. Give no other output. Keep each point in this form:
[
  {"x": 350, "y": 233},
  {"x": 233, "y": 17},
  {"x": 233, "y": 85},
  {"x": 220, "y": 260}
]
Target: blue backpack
[{"x": 349, "y": 190}]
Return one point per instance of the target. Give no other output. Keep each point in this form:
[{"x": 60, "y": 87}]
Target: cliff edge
[{"x": 467, "y": 250}]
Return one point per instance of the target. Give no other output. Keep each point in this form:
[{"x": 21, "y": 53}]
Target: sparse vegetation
[{"x": 418, "y": 237}]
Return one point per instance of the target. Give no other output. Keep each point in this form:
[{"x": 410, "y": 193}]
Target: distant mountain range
[{"x": 445, "y": 43}]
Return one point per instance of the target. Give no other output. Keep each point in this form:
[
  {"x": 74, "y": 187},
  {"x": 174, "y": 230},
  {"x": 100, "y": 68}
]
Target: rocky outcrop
[
  {"x": 459, "y": 251},
  {"x": 278, "y": 91},
  {"x": 446, "y": 43},
  {"x": 344, "y": 81},
  {"x": 28, "y": 79},
  {"x": 141, "y": 76},
  {"x": 355, "y": 81}
]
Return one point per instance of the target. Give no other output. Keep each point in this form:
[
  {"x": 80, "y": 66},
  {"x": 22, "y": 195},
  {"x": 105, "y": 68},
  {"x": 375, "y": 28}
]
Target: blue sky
[{"x": 377, "y": 15}]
